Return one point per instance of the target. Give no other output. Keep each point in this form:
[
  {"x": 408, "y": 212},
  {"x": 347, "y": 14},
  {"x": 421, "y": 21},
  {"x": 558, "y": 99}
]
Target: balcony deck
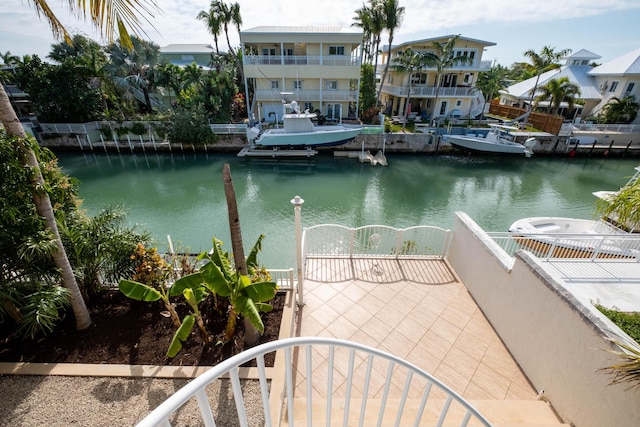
[{"x": 418, "y": 310}]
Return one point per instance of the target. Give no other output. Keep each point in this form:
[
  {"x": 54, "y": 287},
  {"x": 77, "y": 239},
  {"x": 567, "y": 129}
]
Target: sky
[{"x": 608, "y": 28}]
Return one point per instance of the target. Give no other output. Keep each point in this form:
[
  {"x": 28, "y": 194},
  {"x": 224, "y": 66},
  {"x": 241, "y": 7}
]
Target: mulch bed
[{"x": 125, "y": 331}]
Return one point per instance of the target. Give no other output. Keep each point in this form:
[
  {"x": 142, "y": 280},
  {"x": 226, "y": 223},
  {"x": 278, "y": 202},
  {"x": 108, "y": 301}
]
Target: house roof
[
  {"x": 434, "y": 39},
  {"x": 577, "y": 74},
  {"x": 187, "y": 48},
  {"x": 583, "y": 54},
  {"x": 306, "y": 29},
  {"x": 624, "y": 65}
]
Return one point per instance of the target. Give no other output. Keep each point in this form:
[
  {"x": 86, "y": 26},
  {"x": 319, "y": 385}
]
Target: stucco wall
[{"x": 558, "y": 342}]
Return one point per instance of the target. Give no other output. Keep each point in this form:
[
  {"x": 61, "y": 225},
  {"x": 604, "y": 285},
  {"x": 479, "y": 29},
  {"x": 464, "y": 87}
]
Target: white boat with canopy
[{"x": 299, "y": 131}]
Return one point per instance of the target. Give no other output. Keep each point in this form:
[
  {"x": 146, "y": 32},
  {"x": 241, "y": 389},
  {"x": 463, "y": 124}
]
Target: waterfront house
[
  {"x": 619, "y": 77},
  {"x": 457, "y": 96},
  {"x": 318, "y": 66},
  {"x": 186, "y": 54}
]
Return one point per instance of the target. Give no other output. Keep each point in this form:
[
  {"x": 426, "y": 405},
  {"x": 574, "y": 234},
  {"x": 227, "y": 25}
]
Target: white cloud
[{"x": 505, "y": 22}]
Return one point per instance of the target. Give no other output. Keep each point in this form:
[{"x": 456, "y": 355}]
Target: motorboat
[
  {"x": 499, "y": 140},
  {"x": 560, "y": 237},
  {"x": 299, "y": 131}
]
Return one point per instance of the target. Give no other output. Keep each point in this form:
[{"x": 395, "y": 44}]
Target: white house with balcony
[
  {"x": 319, "y": 67},
  {"x": 618, "y": 78},
  {"x": 457, "y": 95}
]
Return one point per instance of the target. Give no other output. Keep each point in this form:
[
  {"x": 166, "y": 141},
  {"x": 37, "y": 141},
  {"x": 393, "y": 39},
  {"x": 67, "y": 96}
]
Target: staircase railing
[{"x": 350, "y": 383}]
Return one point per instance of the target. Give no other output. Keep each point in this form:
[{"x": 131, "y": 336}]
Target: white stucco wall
[{"x": 558, "y": 342}]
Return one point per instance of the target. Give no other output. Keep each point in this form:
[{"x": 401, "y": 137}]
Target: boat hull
[
  {"x": 559, "y": 237},
  {"x": 322, "y": 136},
  {"x": 480, "y": 145}
]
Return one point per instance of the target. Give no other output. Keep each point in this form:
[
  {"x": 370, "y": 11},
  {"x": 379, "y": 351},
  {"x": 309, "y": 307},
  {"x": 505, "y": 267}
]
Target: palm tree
[
  {"x": 363, "y": 20},
  {"x": 393, "y": 14},
  {"x": 558, "y": 91},
  {"x": 371, "y": 19},
  {"x": 443, "y": 58},
  {"x": 251, "y": 333},
  {"x": 623, "y": 110},
  {"x": 492, "y": 81},
  {"x": 408, "y": 61},
  {"x": 9, "y": 59},
  {"x": 212, "y": 20},
  {"x": 105, "y": 15},
  {"x": 544, "y": 61},
  {"x": 133, "y": 68}
]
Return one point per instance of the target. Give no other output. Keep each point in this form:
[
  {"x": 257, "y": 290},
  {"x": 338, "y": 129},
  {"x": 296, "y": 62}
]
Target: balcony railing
[
  {"x": 331, "y": 240},
  {"x": 309, "y": 95},
  {"x": 328, "y": 60},
  {"x": 344, "y": 382},
  {"x": 429, "y": 91},
  {"x": 572, "y": 246}
]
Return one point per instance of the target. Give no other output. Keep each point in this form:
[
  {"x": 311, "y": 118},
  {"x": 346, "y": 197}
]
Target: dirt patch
[{"x": 125, "y": 331}]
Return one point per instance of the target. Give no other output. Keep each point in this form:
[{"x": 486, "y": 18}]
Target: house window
[
  {"x": 630, "y": 87},
  {"x": 188, "y": 58},
  {"x": 419, "y": 79},
  {"x": 468, "y": 78},
  {"x": 331, "y": 85},
  {"x": 309, "y": 106},
  {"x": 297, "y": 85},
  {"x": 336, "y": 50},
  {"x": 269, "y": 52},
  {"x": 458, "y": 103},
  {"x": 614, "y": 86},
  {"x": 275, "y": 84}
]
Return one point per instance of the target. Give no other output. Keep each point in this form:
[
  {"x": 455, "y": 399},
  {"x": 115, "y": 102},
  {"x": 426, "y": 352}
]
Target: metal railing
[
  {"x": 622, "y": 128},
  {"x": 328, "y": 60},
  {"x": 310, "y": 365},
  {"x": 331, "y": 240},
  {"x": 430, "y": 91},
  {"x": 572, "y": 246},
  {"x": 229, "y": 129}
]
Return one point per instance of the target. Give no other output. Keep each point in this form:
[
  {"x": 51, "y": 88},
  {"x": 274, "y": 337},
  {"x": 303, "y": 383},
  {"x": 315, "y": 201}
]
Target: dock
[{"x": 250, "y": 151}]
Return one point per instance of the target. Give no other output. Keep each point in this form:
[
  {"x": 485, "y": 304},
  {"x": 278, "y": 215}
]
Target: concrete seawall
[{"x": 623, "y": 145}]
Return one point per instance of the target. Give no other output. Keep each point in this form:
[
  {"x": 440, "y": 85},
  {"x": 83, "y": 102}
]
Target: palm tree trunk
[
  {"x": 251, "y": 334},
  {"x": 384, "y": 73},
  {"x": 45, "y": 210}
]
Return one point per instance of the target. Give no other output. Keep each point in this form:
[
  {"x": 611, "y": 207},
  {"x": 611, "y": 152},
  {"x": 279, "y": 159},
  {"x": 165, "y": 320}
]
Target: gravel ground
[{"x": 88, "y": 401}]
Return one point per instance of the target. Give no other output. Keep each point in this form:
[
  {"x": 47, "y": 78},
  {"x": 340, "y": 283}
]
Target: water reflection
[{"x": 181, "y": 194}]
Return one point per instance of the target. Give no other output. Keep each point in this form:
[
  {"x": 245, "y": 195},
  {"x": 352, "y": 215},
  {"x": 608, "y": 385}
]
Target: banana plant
[{"x": 220, "y": 277}]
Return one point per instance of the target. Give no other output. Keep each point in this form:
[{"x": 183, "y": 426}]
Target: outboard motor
[{"x": 529, "y": 143}]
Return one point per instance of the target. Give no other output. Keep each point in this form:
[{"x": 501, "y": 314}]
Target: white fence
[
  {"x": 331, "y": 240},
  {"x": 572, "y": 246},
  {"x": 371, "y": 379}
]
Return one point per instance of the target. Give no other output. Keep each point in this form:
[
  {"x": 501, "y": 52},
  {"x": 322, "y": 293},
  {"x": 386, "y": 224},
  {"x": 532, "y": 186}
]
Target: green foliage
[
  {"x": 138, "y": 128},
  {"x": 367, "y": 89},
  {"x": 59, "y": 93},
  {"x": 622, "y": 208},
  {"x": 181, "y": 335},
  {"x": 628, "y": 322},
  {"x": 99, "y": 248},
  {"x": 191, "y": 127},
  {"x": 492, "y": 81},
  {"x": 618, "y": 110},
  {"x": 246, "y": 295}
]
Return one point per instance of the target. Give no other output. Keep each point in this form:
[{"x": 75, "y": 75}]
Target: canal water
[{"x": 182, "y": 195}]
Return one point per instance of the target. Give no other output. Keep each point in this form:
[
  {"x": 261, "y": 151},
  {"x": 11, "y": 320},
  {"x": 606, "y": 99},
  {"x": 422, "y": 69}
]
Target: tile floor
[{"x": 418, "y": 310}]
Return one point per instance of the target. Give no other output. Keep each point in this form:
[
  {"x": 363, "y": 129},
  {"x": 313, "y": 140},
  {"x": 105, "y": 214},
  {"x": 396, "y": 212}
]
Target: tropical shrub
[{"x": 31, "y": 297}]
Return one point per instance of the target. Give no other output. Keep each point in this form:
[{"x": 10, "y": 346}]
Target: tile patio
[{"x": 418, "y": 310}]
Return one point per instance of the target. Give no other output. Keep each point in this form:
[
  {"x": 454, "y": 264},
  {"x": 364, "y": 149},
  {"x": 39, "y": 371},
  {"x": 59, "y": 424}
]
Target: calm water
[{"x": 183, "y": 196}]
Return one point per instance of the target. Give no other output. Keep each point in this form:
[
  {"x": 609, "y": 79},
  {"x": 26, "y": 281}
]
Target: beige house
[
  {"x": 319, "y": 67},
  {"x": 457, "y": 96}
]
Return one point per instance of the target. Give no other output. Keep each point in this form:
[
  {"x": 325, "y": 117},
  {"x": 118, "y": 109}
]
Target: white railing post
[{"x": 297, "y": 207}]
